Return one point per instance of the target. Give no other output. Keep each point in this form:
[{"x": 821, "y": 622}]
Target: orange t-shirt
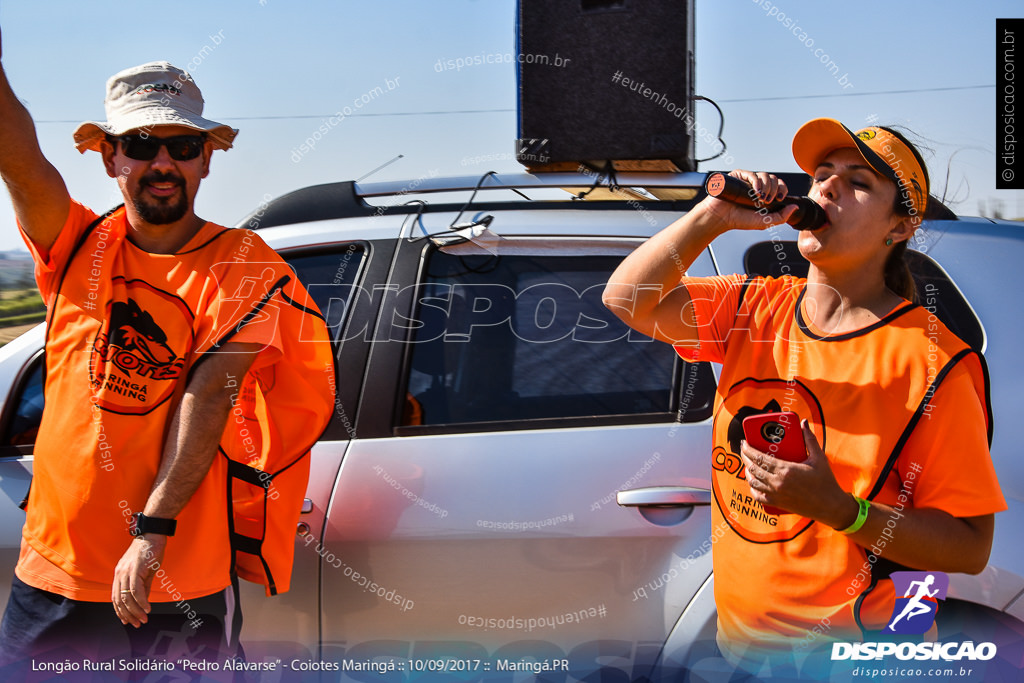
[
  {"x": 124, "y": 329},
  {"x": 887, "y": 403}
]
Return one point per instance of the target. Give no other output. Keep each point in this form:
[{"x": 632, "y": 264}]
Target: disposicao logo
[
  {"x": 917, "y": 602},
  {"x": 915, "y": 611}
]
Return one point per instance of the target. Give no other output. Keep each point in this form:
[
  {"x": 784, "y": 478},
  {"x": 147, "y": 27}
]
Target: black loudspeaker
[{"x": 605, "y": 80}]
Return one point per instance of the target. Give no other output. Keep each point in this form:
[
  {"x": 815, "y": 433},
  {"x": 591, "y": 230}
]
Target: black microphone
[{"x": 808, "y": 215}]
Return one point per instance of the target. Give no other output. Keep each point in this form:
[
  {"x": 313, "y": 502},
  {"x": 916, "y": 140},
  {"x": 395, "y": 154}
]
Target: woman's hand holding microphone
[{"x": 754, "y": 201}]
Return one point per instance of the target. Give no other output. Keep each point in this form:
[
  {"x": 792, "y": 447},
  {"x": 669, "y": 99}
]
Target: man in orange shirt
[{"x": 160, "y": 325}]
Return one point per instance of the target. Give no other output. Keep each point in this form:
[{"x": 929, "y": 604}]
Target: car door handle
[
  {"x": 663, "y": 496},
  {"x": 307, "y": 507}
]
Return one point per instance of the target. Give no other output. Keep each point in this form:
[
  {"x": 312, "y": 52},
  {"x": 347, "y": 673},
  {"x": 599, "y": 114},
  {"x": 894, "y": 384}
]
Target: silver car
[{"x": 514, "y": 481}]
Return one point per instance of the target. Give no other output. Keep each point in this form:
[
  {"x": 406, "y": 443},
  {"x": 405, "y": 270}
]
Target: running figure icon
[{"x": 915, "y": 606}]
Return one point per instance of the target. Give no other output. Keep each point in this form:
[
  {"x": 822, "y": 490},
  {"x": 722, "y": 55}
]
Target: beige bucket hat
[{"x": 152, "y": 94}]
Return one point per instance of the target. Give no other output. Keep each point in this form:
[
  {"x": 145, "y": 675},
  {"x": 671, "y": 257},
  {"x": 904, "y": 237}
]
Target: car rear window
[{"x": 519, "y": 338}]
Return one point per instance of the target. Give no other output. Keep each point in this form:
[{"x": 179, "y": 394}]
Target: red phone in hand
[{"x": 779, "y": 435}]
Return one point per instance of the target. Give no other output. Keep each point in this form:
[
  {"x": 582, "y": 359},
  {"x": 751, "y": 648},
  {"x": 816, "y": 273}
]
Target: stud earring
[{"x": 888, "y": 242}]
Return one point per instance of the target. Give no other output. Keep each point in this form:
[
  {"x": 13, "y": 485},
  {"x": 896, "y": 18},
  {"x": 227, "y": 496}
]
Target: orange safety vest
[
  {"x": 900, "y": 408},
  {"x": 125, "y": 330}
]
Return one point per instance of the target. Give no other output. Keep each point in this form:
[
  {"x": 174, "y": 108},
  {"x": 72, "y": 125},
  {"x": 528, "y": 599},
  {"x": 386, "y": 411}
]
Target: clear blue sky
[{"x": 277, "y": 69}]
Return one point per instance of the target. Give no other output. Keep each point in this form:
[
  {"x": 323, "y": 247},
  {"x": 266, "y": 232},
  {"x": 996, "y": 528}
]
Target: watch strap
[{"x": 152, "y": 525}]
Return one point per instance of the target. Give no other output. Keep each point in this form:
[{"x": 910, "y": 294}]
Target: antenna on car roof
[{"x": 388, "y": 163}]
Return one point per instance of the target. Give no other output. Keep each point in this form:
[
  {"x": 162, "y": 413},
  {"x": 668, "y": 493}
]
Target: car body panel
[{"x": 502, "y": 525}]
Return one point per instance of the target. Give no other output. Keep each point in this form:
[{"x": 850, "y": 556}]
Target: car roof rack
[{"x": 348, "y": 199}]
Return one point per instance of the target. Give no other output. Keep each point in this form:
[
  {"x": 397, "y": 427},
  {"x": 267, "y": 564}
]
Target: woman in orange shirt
[{"x": 874, "y": 378}]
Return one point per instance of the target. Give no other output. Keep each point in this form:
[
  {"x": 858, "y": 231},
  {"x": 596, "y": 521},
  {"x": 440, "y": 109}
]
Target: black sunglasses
[{"x": 180, "y": 147}]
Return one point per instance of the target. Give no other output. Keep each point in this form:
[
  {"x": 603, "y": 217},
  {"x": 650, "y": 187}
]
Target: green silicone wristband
[{"x": 862, "y": 516}]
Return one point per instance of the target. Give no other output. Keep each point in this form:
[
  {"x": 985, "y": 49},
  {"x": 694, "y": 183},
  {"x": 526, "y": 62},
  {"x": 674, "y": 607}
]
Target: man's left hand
[{"x": 133, "y": 577}]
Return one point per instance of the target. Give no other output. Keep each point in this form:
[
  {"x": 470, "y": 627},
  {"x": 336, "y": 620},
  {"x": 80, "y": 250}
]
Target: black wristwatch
[{"x": 151, "y": 525}]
